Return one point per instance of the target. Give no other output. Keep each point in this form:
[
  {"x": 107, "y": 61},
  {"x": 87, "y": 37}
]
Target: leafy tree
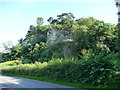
[
  {"x": 39, "y": 20},
  {"x": 89, "y": 33},
  {"x": 50, "y": 19},
  {"x": 20, "y": 41},
  {"x": 8, "y": 45}
]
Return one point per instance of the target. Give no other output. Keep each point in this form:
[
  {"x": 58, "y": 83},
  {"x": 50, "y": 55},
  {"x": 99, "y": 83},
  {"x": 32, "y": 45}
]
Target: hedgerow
[{"x": 98, "y": 72}]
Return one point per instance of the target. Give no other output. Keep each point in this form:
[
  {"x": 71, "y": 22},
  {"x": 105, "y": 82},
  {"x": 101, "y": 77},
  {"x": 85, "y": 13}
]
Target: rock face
[
  {"x": 58, "y": 36},
  {"x": 52, "y": 36}
]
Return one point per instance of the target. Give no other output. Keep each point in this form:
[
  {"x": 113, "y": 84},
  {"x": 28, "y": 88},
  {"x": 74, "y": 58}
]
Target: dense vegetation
[{"x": 94, "y": 53}]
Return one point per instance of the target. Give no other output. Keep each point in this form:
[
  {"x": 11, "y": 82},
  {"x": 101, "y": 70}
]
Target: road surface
[{"x": 17, "y": 82}]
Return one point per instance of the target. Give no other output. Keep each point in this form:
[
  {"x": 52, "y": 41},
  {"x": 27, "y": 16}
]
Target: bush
[
  {"x": 94, "y": 70},
  {"x": 25, "y": 60},
  {"x": 97, "y": 73},
  {"x": 99, "y": 67},
  {"x": 114, "y": 81}
]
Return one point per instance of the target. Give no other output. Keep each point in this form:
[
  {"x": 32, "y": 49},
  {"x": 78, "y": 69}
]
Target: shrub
[
  {"x": 25, "y": 60},
  {"x": 97, "y": 70}
]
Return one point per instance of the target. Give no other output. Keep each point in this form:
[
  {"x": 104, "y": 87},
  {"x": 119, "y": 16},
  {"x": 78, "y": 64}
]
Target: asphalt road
[{"x": 17, "y": 82}]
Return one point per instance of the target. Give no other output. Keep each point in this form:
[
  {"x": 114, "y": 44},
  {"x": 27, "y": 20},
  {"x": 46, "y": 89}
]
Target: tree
[
  {"x": 39, "y": 20},
  {"x": 8, "y": 45},
  {"x": 50, "y": 19},
  {"x": 81, "y": 34},
  {"x": 1, "y": 60},
  {"x": 65, "y": 15},
  {"x": 89, "y": 33},
  {"x": 32, "y": 28},
  {"x": 20, "y": 41}
]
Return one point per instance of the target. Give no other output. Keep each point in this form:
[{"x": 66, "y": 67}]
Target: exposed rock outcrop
[{"x": 58, "y": 36}]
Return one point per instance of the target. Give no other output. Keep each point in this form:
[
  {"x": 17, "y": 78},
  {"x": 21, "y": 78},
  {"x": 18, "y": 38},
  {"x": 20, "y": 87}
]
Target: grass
[
  {"x": 10, "y": 63},
  {"x": 51, "y": 80}
]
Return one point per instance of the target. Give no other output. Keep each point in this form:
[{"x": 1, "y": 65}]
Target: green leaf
[{"x": 101, "y": 69}]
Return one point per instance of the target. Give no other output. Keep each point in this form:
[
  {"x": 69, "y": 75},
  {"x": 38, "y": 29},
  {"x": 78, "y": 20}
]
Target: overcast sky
[{"x": 17, "y": 15}]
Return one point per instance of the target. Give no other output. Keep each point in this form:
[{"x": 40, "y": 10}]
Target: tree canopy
[{"x": 87, "y": 33}]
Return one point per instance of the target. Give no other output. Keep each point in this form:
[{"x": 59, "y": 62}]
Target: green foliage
[
  {"x": 6, "y": 57},
  {"x": 54, "y": 51},
  {"x": 89, "y": 33},
  {"x": 11, "y": 63},
  {"x": 25, "y": 60},
  {"x": 114, "y": 81},
  {"x": 118, "y": 39},
  {"x": 98, "y": 72},
  {"x": 93, "y": 45}
]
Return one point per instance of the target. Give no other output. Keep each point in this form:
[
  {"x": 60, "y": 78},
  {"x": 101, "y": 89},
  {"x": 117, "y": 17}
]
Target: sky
[{"x": 17, "y": 15}]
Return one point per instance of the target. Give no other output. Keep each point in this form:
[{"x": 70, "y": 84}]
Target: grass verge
[
  {"x": 51, "y": 80},
  {"x": 10, "y": 63}
]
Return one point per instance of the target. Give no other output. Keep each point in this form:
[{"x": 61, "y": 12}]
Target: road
[{"x": 17, "y": 82}]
